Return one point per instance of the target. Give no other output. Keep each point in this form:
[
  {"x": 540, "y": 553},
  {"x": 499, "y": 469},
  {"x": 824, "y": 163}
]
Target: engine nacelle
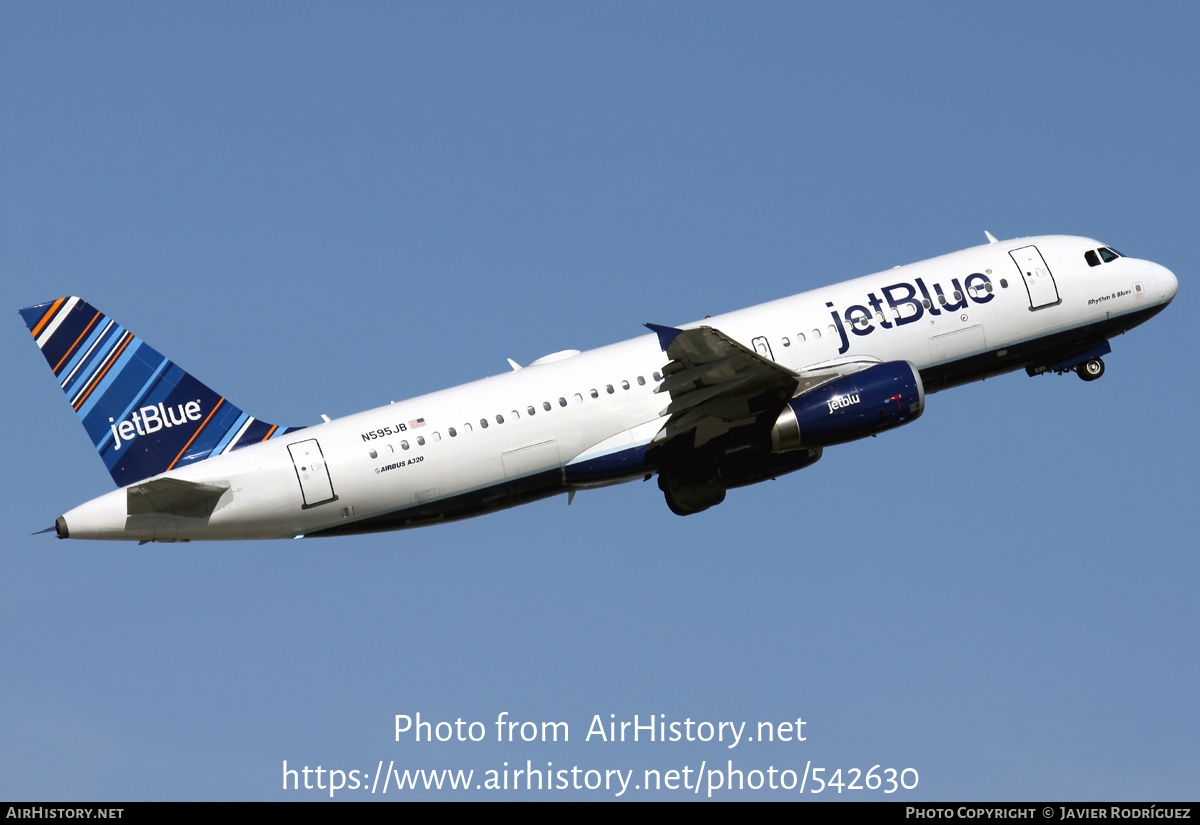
[{"x": 851, "y": 407}]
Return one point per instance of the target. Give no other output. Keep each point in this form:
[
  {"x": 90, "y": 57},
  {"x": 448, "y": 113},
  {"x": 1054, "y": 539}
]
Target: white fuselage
[{"x": 465, "y": 450}]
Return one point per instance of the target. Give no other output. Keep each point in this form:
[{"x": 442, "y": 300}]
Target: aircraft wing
[{"x": 717, "y": 384}]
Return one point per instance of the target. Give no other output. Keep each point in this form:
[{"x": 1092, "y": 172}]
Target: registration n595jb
[{"x": 707, "y": 406}]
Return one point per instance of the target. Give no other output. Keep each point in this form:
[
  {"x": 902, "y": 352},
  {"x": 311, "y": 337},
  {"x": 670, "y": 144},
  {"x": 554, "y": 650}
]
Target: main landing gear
[
  {"x": 1090, "y": 369},
  {"x": 691, "y": 487}
]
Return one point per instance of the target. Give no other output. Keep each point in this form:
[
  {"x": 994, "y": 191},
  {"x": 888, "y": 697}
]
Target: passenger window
[
  {"x": 800, "y": 339},
  {"x": 609, "y": 388},
  {"x": 468, "y": 428},
  {"x": 374, "y": 454},
  {"x": 595, "y": 394},
  {"x": 403, "y": 445},
  {"x": 435, "y": 435},
  {"x": 624, "y": 384},
  {"x": 657, "y": 375},
  {"x": 786, "y": 341},
  {"x": 546, "y": 406},
  {"x": 453, "y": 432},
  {"x": 516, "y": 416},
  {"x": 579, "y": 398},
  {"x": 499, "y": 418},
  {"x": 483, "y": 423},
  {"x": 420, "y": 441},
  {"x": 532, "y": 410},
  {"x": 816, "y": 334},
  {"x": 562, "y": 402}
]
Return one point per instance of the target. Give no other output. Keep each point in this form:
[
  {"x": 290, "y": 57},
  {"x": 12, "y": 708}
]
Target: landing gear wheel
[
  {"x": 1091, "y": 369},
  {"x": 694, "y": 491}
]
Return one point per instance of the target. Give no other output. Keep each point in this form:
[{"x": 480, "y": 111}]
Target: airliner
[{"x": 725, "y": 402}]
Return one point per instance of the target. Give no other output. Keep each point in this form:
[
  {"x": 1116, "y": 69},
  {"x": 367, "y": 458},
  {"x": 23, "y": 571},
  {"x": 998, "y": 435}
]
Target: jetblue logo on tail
[{"x": 152, "y": 419}]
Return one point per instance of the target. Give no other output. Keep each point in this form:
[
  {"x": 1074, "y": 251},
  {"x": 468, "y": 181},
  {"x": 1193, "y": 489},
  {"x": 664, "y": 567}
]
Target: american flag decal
[{"x": 416, "y": 422}]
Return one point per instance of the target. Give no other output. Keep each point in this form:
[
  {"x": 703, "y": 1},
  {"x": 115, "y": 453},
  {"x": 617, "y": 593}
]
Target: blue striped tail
[{"x": 143, "y": 413}]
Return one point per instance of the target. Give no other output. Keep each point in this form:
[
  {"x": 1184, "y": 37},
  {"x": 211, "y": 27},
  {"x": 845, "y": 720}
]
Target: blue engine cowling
[{"x": 851, "y": 407}]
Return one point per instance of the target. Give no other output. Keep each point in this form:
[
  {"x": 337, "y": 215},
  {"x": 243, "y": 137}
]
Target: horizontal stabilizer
[{"x": 174, "y": 496}]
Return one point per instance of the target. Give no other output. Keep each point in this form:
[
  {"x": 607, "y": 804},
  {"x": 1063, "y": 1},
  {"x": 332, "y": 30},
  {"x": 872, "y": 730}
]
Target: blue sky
[{"x": 318, "y": 209}]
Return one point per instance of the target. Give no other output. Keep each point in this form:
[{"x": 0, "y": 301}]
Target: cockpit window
[{"x": 1105, "y": 254}]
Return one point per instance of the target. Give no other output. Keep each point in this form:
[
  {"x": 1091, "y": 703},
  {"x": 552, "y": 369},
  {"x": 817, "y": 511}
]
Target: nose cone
[{"x": 1168, "y": 284}]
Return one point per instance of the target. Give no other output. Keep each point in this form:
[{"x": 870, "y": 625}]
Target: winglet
[
  {"x": 665, "y": 334},
  {"x": 991, "y": 238}
]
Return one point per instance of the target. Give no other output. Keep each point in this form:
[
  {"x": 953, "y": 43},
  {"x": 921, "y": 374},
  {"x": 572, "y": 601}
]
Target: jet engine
[{"x": 851, "y": 407}]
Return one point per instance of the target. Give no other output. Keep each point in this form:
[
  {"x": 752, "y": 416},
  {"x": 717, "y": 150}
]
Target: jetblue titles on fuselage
[{"x": 906, "y": 308}]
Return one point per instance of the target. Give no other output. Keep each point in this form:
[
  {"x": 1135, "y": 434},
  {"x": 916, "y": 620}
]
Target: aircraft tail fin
[{"x": 143, "y": 413}]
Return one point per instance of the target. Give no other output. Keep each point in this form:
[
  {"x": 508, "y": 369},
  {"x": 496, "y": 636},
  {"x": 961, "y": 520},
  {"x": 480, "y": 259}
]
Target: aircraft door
[
  {"x": 1039, "y": 282},
  {"x": 762, "y": 347},
  {"x": 315, "y": 485}
]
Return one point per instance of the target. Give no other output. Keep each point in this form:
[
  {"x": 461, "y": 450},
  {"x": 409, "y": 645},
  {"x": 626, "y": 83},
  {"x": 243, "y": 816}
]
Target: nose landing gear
[{"x": 1090, "y": 369}]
